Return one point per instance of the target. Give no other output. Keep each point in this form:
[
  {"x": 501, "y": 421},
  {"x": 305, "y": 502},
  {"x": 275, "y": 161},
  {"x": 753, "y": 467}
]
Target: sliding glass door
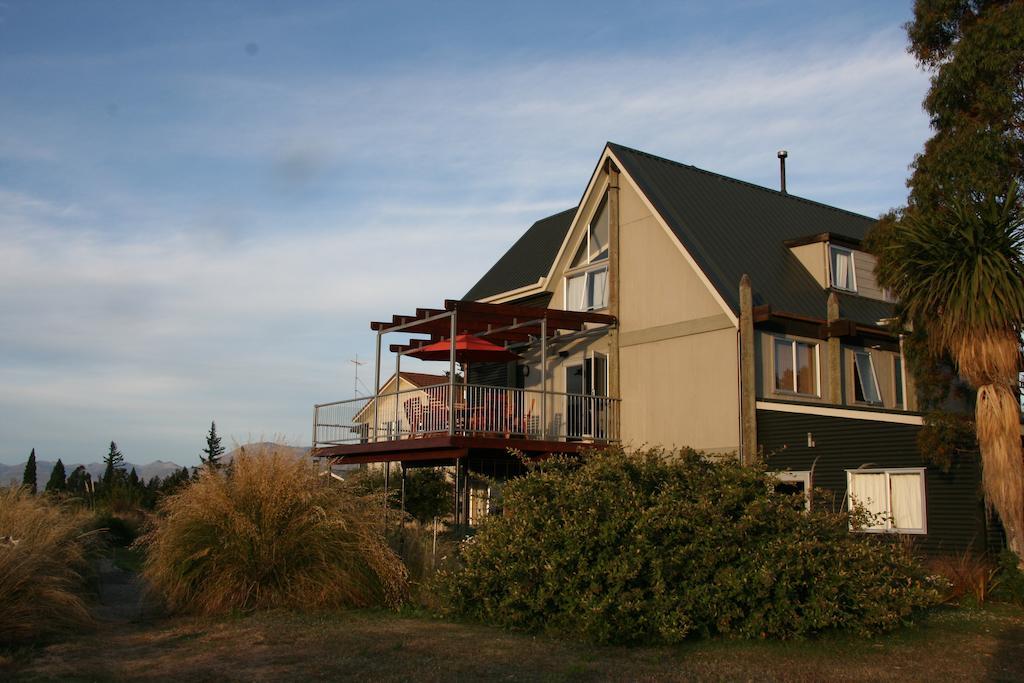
[{"x": 587, "y": 384}]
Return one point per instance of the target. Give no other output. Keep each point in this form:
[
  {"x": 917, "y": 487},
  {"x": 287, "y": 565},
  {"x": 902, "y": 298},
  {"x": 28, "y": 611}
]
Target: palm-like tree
[{"x": 958, "y": 273}]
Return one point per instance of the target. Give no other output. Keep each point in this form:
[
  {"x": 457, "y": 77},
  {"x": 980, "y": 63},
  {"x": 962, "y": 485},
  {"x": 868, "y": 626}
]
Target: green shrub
[
  {"x": 120, "y": 530},
  {"x": 270, "y": 534},
  {"x": 43, "y": 548},
  {"x": 1009, "y": 582},
  {"x": 656, "y": 547}
]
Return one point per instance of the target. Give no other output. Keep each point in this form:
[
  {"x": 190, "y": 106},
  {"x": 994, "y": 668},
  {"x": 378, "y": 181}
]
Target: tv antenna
[{"x": 355, "y": 381}]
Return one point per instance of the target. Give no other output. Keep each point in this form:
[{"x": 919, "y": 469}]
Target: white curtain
[
  {"x": 574, "y": 290},
  {"x": 841, "y": 270},
  {"x": 869, "y": 491},
  {"x": 907, "y": 505}
]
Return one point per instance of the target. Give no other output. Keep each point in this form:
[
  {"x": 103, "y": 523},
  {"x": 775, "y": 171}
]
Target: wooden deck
[{"x": 442, "y": 449}]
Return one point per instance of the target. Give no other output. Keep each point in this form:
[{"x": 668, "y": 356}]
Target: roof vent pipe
[{"x": 782, "y": 169}]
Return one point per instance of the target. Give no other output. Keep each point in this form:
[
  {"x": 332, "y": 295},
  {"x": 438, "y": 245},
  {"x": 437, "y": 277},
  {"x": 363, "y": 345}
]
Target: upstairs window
[
  {"x": 587, "y": 290},
  {"x": 865, "y": 382},
  {"x": 796, "y": 367},
  {"x": 897, "y": 372},
  {"x": 894, "y": 499},
  {"x": 842, "y": 271}
]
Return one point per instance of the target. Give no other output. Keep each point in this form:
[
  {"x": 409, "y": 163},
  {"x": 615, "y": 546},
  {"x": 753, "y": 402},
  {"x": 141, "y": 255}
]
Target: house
[{"x": 678, "y": 307}]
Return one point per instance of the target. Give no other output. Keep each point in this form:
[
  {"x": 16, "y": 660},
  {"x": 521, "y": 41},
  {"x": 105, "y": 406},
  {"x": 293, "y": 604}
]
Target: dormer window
[
  {"x": 841, "y": 267},
  {"x": 586, "y": 284}
]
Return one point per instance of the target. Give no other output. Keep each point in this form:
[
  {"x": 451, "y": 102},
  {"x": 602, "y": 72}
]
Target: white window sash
[{"x": 910, "y": 501}]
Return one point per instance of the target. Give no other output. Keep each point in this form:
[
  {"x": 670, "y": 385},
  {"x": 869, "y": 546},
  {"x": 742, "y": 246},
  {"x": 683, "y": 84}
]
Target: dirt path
[{"x": 122, "y": 596}]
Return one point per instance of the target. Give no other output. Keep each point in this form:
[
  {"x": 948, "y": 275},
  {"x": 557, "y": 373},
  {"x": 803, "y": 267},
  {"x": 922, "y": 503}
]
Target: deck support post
[
  {"x": 402, "y": 465},
  {"x": 835, "y": 355},
  {"x": 465, "y": 490},
  {"x": 387, "y": 482},
  {"x": 748, "y": 376},
  {"x": 455, "y": 498}
]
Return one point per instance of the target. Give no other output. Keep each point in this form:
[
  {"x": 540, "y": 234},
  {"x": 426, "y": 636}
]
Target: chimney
[{"x": 782, "y": 169}]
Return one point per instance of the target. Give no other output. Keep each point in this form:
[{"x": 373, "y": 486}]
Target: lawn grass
[{"x": 984, "y": 643}]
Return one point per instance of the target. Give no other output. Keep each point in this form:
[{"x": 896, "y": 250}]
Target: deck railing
[{"x": 477, "y": 410}]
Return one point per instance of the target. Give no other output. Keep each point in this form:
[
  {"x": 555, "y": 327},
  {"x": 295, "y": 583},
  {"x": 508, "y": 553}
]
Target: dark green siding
[{"x": 955, "y": 512}]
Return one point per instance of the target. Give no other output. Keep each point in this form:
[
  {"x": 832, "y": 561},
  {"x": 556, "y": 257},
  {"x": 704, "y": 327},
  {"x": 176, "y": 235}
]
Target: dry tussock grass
[
  {"x": 42, "y": 562},
  {"x": 270, "y": 534}
]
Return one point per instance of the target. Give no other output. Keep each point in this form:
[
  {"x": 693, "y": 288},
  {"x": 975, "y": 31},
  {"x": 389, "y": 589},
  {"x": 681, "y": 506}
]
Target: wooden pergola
[{"x": 506, "y": 325}]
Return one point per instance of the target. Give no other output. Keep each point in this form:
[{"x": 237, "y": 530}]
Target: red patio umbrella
[{"x": 468, "y": 349}]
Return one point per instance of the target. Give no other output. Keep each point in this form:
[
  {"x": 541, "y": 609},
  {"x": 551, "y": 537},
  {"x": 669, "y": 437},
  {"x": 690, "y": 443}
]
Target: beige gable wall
[
  {"x": 677, "y": 346},
  {"x": 814, "y": 257}
]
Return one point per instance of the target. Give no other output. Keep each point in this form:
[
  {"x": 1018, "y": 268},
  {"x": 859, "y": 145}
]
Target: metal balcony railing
[{"x": 477, "y": 410}]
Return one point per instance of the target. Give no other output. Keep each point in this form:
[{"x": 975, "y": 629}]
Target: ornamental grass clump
[
  {"x": 43, "y": 548},
  {"x": 656, "y": 547},
  {"x": 267, "y": 533}
]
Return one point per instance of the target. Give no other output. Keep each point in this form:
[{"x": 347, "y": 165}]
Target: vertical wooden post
[
  {"x": 835, "y": 355},
  {"x": 613, "y": 278},
  {"x": 387, "y": 482},
  {"x": 455, "y": 498},
  {"x": 465, "y": 491},
  {"x": 748, "y": 374}
]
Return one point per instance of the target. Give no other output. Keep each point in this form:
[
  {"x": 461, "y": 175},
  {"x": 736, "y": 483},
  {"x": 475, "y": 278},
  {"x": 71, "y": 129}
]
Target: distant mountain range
[{"x": 157, "y": 468}]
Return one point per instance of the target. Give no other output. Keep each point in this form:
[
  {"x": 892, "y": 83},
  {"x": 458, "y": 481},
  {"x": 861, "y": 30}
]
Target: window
[
  {"x": 897, "y": 373},
  {"x": 588, "y": 290},
  {"x": 865, "y": 382},
  {"x": 795, "y": 483},
  {"x": 796, "y": 367},
  {"x": 841, "y": 262},
  {"x": 894, "y": 499}
]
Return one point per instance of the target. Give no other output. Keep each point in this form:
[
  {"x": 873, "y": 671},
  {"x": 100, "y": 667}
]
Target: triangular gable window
[{"x": 587, "y": 290}]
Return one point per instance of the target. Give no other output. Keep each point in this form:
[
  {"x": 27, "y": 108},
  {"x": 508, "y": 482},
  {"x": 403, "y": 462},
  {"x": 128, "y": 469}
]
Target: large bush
[
  {"x": 656, "y": 547},
  {"x": 43, "y": 549},
  {"x": 270, "y": 533}
]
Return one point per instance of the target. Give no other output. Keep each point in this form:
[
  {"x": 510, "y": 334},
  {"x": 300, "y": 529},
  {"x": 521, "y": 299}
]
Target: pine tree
[
  {"x": 133, "y": 479},
  {"x": 58, "y": 479},
  {"x": 115, "y": 465},
  {"x": 213, "y": 449},
  {"x": 28, "y": 480}
]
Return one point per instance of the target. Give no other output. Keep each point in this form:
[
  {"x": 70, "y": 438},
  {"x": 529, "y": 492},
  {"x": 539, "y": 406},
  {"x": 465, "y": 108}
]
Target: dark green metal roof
[
  {"x": 731, "y": 227},
  {"x": 528, "y": 260}
]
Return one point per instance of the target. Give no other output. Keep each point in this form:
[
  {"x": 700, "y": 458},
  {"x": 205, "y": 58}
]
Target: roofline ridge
[{"x": 741, "y": 182}]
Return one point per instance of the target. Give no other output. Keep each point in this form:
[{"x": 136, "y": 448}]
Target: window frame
[
  {"x": 817, "y": 368},
  {"x": 589, "y": 268},
  {"x": 874, "y": 378},
  {"x": 832, "y": 248},
  {"x": 888, "y": 516},
  {"x": 899, "y": 381},
  {"x": 797, "y": 476}
]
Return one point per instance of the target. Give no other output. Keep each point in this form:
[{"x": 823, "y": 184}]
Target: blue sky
[{"x": 202, "y": 205}]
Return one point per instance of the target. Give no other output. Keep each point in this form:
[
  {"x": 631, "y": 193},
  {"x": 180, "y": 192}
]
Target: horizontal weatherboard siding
[{"x": 955, "y": 511}]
